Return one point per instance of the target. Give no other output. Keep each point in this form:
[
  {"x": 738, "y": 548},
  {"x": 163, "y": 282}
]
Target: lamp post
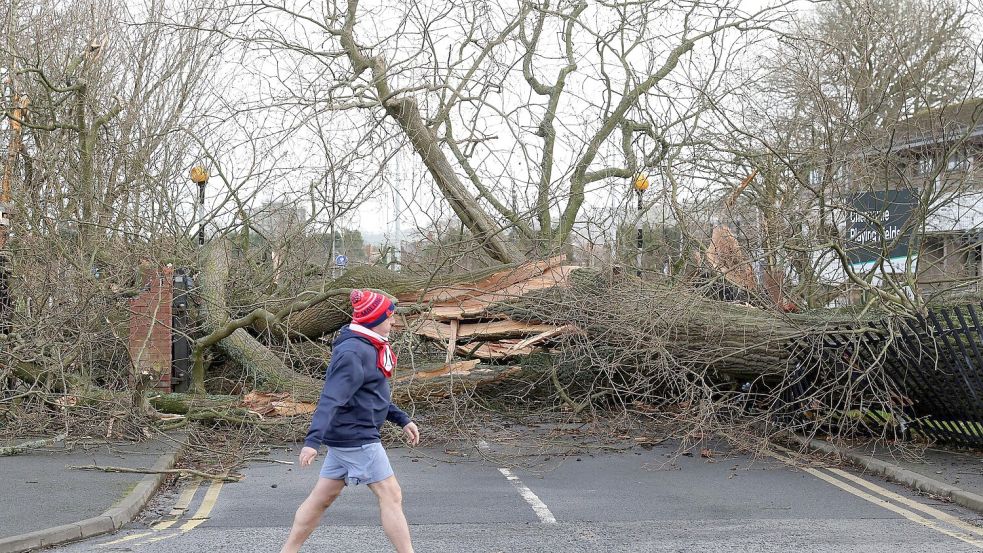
[
  {"x": 640, "y": 184},
  {"x": 199, "y": 176}
]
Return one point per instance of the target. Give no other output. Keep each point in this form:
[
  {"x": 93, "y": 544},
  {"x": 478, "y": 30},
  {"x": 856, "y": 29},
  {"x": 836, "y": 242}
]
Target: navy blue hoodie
[{"x": 356, "y": 399}]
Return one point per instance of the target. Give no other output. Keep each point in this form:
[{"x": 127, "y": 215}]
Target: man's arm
[
  {"x": 398, "y": 416},
  {"x": 343, "y": 380}
]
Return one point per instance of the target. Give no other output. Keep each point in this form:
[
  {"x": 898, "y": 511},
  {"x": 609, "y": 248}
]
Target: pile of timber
[{"x": 461, "y": 316}]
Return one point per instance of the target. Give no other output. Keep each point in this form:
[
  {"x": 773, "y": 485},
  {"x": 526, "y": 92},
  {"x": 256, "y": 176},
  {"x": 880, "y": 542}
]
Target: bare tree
[
  {"x": 543, "y": 101},
  {"x": 93, "y": 187},
  {"x": 833, "y": 112}
]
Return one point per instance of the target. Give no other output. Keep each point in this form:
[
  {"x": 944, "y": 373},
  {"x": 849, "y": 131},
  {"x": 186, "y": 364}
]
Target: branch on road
[
  {"x": 223, "y": 477},
  {"x": 21, "y": 448}
]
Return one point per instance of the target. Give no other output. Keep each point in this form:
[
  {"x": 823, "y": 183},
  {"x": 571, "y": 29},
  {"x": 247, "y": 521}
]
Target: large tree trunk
[
  {"x": 330, "y": 315},
  {"x": 644, "y": 324},
  {"x": 427, "y": 383},
  {"x": 618, "y": 315},
  {"x": 607, "y": 325},
  {"x": 406, "y": 113},
  {"x": 333, "y": 313},
  {"x": 259, "y": 363},
  {"x": 486, "y": 232}
]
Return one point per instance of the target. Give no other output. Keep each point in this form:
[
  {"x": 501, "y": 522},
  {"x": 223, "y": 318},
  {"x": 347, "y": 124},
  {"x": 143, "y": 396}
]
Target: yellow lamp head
[
  {"x": 641, "y": 183},
  {"x": 199, "y": 175}
]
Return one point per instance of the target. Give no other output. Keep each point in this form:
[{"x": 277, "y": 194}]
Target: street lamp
[
  {"x": 199, "y": 176},
  {"x": 640, "y": 184}
]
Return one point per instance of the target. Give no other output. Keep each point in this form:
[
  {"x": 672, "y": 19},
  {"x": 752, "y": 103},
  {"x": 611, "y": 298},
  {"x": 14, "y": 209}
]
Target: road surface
[{"x": 634, "y": 500}]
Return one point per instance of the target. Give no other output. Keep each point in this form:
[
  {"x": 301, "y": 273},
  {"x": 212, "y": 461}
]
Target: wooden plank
[
  {"x": 476, "y": 305},
  {"x": 416, "y": 387},
  {"x": 452, "y": 341},
  {"x": 494, "y": 330},
  {"x": 556, "y": 331},
  {"x": 468, "y": 309},
  {"x": 495, "y": 350},
  {"x": 432, "y": 329},
  {"x": 459, "y": 368},
  {"x": 496, "y": 281}
]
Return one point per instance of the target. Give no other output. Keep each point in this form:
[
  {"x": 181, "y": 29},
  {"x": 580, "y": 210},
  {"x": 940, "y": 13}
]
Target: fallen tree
[
  {"x": 427, "y": 382},
  {"x": 606, "y": 338},
  {"x": 513, "y": 311},
  {"x": 259, "y": 364}
]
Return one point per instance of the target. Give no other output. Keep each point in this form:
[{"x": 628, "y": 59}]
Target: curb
[
  {"x": 109, "y": 521},
  {"x": 897, "y": 474}
]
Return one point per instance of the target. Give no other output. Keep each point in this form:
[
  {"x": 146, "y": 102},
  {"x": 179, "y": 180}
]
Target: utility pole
[
  {"x": 397, "y": 230},
  {"x": 641, "y": 184},
  {"x": 333, "y": 256}
]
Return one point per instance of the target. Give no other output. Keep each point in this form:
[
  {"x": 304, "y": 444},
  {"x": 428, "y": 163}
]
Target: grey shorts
[{"x": 366, "y": 464}]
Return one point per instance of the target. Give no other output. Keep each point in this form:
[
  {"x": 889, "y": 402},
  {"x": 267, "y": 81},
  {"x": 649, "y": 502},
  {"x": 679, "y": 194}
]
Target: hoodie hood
[{"x": 345, "y": 334}]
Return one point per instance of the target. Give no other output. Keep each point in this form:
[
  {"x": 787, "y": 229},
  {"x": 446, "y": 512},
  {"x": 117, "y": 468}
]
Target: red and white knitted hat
[{"x": 370, "y": 308}]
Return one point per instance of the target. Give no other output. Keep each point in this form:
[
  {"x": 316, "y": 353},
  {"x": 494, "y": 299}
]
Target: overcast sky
[{"x": 257, "y": 78}]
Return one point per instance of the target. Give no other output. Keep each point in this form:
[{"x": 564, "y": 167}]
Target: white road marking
[
  {"x": 542, "y": 511},
  {"x": 540, "y": 508}
]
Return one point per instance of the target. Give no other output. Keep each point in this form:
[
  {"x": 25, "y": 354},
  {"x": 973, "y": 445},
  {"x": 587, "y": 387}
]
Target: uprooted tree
[{"x": 572, "y": 334}]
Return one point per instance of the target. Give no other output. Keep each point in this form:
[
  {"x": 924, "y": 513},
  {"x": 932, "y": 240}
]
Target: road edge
[
  {"x": 893, "y": 472},
  {"x": 110, "y": 521}
]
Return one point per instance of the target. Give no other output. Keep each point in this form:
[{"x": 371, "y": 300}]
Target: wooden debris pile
[
  {"x": 270, "y": 404},
  {"x": 461, "y": 320},
  {"x": 428, "y": 383}
]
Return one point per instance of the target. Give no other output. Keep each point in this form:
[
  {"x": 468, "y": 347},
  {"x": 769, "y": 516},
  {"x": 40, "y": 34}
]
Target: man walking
[{"x": 353, "y": 407}]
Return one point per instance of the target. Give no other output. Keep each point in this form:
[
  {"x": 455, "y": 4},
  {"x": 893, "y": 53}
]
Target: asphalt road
[
  {"x": 631, "y": 500},
  {"x": 25, "y": 479}
]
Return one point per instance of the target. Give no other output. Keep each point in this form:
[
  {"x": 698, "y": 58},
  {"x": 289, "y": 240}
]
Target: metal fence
[{"x": 921, "y": 375}]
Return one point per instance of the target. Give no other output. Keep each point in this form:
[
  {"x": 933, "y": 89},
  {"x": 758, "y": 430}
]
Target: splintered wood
[
  {"x": 726, "y": 255},
  {"x": 269, "y": 404},
  {"x": 458, "y": 316}
]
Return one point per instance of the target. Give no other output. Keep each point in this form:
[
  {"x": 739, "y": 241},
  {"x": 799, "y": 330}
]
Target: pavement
[
  {"x": 959, "y": 468},
  {"x": 497, "y": 497},
  {"x": 951, "y": 473},
  {"x": 45, "y": 502}
]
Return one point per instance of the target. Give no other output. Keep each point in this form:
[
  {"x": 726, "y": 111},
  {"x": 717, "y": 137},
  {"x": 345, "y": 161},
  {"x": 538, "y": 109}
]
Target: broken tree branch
[
  {"x": 35, "y": 444},
  {"x": 223, "y": 477}
]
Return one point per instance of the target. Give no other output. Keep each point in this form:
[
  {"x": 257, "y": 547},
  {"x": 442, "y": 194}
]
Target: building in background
[
  {"x": 913, "y": 203},
  {"x": 279, "y": 219}
]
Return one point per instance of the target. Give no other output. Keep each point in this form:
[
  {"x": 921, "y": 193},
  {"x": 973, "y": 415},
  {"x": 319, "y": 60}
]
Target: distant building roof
[{"x": 950, "y": 123}]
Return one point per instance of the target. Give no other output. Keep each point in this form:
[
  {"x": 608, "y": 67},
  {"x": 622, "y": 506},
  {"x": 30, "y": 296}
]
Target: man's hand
[
  {"x": 412, "y": 433},
  {"x": 307, "y": 456}
]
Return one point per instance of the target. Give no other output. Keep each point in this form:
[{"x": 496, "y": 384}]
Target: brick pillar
[{"x": 150, "y": 330}]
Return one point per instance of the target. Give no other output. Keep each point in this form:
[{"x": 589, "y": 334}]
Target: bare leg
[
  {"x": 391, "y": 508},
  {"x": 310, "y": 511}
]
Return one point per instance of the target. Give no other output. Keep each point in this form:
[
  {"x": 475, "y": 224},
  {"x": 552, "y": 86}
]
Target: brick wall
[{"x": 150, "y": 330}]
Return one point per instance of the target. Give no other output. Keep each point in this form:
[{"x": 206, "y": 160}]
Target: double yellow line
[
  {"x": 930, "y": 517},
  {"x": 177, "y": 512}
]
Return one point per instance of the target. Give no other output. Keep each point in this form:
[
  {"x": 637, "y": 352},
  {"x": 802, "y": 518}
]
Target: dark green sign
[{"x": 878, "y": 225}]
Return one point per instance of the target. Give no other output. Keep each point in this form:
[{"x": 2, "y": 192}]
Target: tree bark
[
  {"x": 330, "y": 315},
  {"x": 259, "y": 363},
  {"x": 406, "y": 113},
  {"x": 639, "y": 323}
]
